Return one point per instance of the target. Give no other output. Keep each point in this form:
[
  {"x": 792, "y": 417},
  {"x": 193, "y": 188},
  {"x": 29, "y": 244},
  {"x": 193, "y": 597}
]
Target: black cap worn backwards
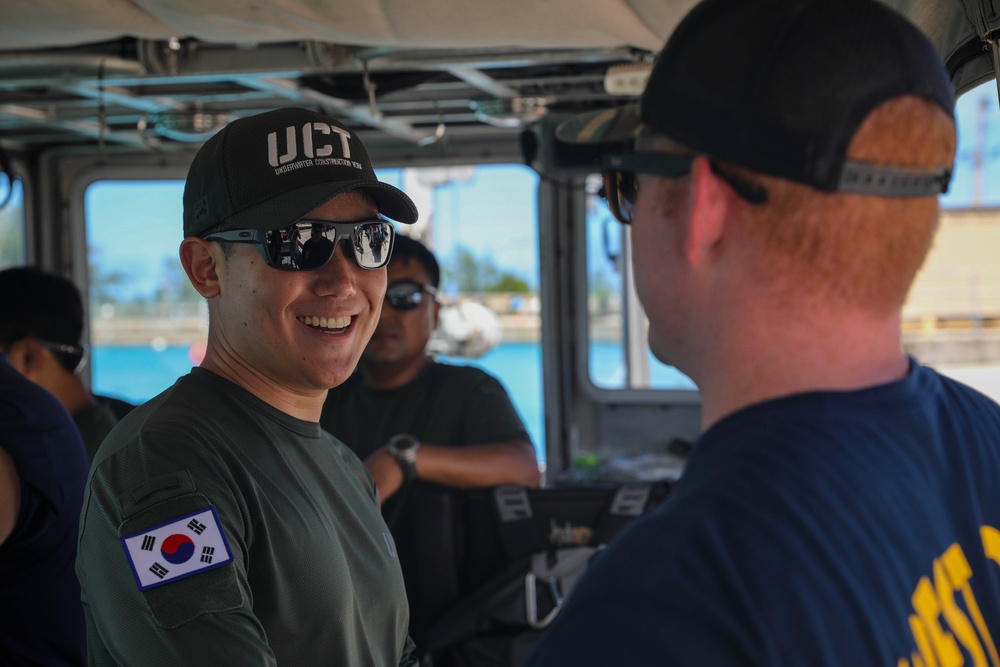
[
  {"x": 269, "y": 170},
  {"x": 781, "y": 86}
]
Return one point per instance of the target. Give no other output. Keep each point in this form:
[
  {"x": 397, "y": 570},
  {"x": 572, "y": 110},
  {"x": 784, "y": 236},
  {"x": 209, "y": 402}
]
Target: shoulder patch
[{"x": 177, "y": 548}]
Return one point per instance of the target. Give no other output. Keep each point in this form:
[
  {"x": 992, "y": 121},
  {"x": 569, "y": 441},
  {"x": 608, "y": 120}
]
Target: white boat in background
[{"x": 466, "y": 328}]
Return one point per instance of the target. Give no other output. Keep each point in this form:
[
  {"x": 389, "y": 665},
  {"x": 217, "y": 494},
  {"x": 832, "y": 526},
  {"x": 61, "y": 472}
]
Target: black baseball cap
[
  {"x": 41, "y": 305},
  {"x": 781, "y": 86},
  {"x": 267, "y": 171}
]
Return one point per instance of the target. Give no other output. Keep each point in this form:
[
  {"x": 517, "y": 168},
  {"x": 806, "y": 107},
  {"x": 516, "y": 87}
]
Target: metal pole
[{"x": 995, "y": 51}]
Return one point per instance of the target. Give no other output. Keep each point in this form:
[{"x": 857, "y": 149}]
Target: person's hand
[{"x": 385, "y": 471}]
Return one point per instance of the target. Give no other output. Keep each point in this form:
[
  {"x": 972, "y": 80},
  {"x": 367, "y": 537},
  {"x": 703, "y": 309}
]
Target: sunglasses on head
[
  {"x": 621, "y": 187},
  {"x": 407, "y": 294},
  {"x": 305, "y": 245}
]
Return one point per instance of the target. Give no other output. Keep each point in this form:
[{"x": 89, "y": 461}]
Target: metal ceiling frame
[{"x": 112, "y": 93}]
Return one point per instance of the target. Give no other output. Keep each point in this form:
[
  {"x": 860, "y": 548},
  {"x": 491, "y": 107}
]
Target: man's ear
[
  {"x": 201, "y": 259},
  {"x": 25, "y": 355},
  {"x": 709, "y": 211}
]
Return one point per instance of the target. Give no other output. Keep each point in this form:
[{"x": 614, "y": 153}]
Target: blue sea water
[{"x": 137, "y": 373}]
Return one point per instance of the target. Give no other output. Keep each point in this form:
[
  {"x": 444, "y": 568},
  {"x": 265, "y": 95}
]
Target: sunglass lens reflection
[
  {"x": 404, "y": 296},
  {"x": 305, "y": 246},
  {"x": 372, "y": 242}
]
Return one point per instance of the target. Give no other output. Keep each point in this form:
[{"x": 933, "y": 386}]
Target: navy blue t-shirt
[
  {"x": 826, "y": 528},
  {"x": 41, "y": 616}
]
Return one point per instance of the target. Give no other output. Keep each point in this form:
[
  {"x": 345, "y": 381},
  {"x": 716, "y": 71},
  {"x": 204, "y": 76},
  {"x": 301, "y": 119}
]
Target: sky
[
  {"x": 978, "y": 115},
  {"x": 491, "y": 210}
]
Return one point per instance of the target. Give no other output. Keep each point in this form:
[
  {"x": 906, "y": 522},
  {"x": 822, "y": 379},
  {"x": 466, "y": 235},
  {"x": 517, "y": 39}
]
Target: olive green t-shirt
[{"x": 313, "y": 577}]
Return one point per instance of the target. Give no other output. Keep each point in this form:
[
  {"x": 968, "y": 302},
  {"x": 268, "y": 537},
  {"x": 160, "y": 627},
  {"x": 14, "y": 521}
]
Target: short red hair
[{"x": 856, "y": 250}]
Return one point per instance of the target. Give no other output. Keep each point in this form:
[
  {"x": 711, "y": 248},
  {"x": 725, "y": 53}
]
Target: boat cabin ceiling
[{"x": 418, "y": 79}]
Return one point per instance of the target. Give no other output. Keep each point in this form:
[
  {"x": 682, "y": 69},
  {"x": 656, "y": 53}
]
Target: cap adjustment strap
[{"x": 867, "y": 179}]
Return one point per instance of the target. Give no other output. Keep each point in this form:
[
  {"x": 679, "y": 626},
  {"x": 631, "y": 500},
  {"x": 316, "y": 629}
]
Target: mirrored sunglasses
[
  {"x": 407, "y": 294},
  {"x": 306, "y": 245},
  {"x": 621, "y": 187}
]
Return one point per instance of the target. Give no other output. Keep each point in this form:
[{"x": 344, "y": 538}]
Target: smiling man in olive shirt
[{"x": 222, "y": 525}]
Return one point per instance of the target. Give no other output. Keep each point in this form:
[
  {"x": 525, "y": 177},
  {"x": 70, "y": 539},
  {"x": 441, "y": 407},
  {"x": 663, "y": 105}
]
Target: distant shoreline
[
  {"x": 968, "y": 345},
  {"x": 519, "y": 328}
]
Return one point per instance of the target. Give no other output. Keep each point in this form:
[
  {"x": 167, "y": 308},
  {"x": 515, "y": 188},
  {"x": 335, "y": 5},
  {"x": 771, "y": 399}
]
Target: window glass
[
  {"x": 614, "y": 361},
  {"x": 12, "y": 243},
  {"x": 149, "y": 326},
  {"x": 952, "y": 317},
  {"x": 482, "y": 224}
]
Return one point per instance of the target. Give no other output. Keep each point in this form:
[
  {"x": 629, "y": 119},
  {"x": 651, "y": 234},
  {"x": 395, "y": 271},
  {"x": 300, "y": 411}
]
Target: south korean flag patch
[{"x": 176, "y": 549}]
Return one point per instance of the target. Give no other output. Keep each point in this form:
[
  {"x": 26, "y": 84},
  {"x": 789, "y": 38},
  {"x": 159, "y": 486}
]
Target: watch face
[{"x": 402, "y": 443}]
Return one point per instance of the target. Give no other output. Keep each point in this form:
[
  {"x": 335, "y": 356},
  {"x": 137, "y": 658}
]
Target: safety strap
[
  {"x": 554, "y": 576},
  {"x": 522, "y": 533},
  {"x": 519, "y": 532},
  {"x": 629, "y": 501}
]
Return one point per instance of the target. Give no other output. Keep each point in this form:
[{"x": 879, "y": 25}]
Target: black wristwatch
[{"x": 403, "y": 448}]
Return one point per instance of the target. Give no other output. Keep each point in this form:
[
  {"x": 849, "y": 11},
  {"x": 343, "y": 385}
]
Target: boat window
[
  {"x": 12, "y": 223},
  {"x": 618, "y": 352},
  {"x": 482, "y": 223},
  {"x": 951, "y": 319},
  {"x": 149, "y": 326}
]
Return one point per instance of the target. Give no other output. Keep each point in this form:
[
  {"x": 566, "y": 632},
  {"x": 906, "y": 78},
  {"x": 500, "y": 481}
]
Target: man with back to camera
[
  {"x": 222, "y": 525},
  {"x": 41, "y": 327},
  {"x": 842, "y": 505},
  {"x": 415, "y": 420},
  {"x": 43, "y": 470}
]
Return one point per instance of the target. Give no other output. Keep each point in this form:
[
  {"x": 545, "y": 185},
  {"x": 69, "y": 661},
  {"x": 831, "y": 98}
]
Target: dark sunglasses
[
  {"x": 72, "y": 357},
  {"x": 621, "y": 187},
  {"x": 309, "y": 244},
  {"x": 407, "y": 294}
]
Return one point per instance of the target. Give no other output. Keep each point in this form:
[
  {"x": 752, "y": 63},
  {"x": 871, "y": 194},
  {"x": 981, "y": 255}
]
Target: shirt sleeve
[{"x": 203, "y": 618}]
